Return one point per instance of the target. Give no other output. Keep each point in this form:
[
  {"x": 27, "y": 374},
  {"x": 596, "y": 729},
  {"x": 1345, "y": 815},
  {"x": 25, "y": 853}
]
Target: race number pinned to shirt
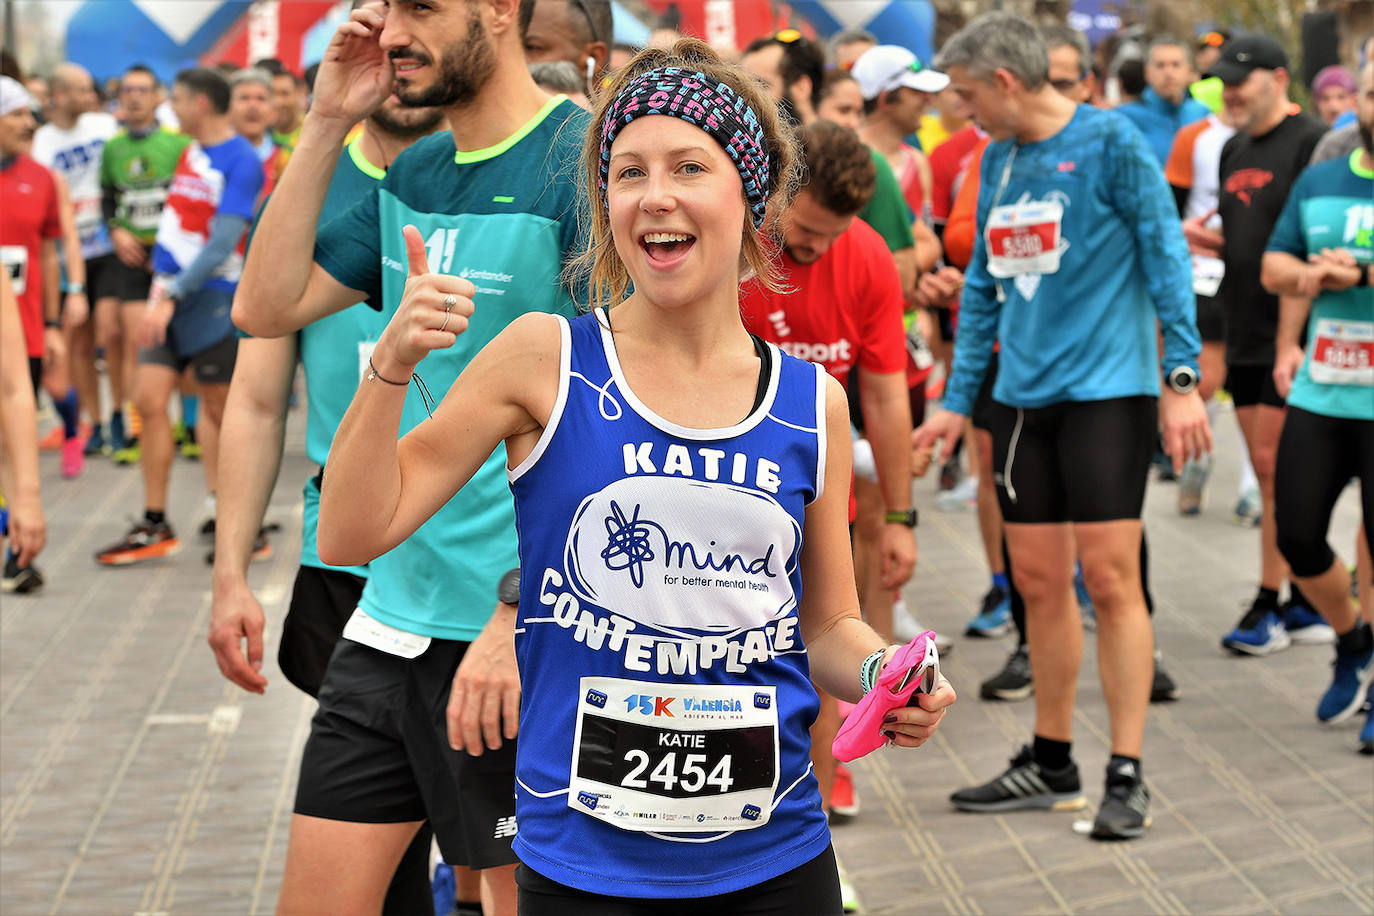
[
  {"x": 675, "y": 758},
  {"x": 1207, "y": 275},
  {"x": 16, "y": 261},
  {"x": 377, "y": 635},
  {"x": 1342, "y": 353},
  {"x": 145, "y": 208},
  {"x": 1024, "y": 237}
]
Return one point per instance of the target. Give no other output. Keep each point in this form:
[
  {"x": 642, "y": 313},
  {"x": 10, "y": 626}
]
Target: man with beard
[
  {"x": 1257, "y": 167},
  {"x": 251, "y": 436},
  {"x": 497, "y": 216},
  {"x": 576, "y": 31}
]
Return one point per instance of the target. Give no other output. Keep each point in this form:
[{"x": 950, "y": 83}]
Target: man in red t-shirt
[
  {"x": 845, "y": 312},
  {"x": 29, "y": 229}
]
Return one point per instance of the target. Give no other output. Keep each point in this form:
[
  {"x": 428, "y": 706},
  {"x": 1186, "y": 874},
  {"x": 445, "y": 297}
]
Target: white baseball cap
[
  {"x": 886, "y": 67},
  {"x": 13, "y": 96}
]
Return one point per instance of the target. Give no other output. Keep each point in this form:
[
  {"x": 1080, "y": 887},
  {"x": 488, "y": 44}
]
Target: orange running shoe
[{"x": 145, "y": 541}]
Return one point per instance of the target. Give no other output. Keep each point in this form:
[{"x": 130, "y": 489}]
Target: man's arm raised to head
[{"x": 282, "y": 289}]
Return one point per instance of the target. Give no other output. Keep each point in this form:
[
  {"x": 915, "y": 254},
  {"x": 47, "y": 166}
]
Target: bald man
[
  {"x": 577, "y": 31},
  {"x": 71, "y": 144}
]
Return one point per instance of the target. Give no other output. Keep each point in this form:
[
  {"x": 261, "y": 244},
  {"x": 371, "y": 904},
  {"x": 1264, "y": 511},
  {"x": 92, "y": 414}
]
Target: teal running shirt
[
  {"x": 1331, "y": 205},
  {"x": 334, "y": 351},
  {"x": 505, "y": 218}
]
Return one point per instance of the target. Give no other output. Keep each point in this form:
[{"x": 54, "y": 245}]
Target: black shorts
[
  {"x": 213, "y": 366},
  {"x": 378, "y": 753},
  {"x": 322, "y": 600},
  {"x": 1318, "y": 456},
  {"x": 36, "y": 373},
  {"x": 982, "y": 405},
  {"x": 131, "y": 284},
  {"x": 1211, "y": 319},
  {"x": 1079, "y": 461},
  {"x": 1252, "y": 385},
  {"x": 100, "y": 278},
  {"x": 944, "y": 321},
  {"x": 813, "y": 889}
]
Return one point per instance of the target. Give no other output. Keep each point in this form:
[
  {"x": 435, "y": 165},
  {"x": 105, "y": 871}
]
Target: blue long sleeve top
[{"x": 1087, "y": 244}]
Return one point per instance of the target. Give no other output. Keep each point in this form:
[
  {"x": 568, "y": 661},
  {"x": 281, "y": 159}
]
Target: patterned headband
[{"x": 715, "y": 108}]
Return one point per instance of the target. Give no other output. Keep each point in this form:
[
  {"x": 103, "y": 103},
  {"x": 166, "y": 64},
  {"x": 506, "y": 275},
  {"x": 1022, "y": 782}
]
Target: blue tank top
[{"x": 664, "y": 747}]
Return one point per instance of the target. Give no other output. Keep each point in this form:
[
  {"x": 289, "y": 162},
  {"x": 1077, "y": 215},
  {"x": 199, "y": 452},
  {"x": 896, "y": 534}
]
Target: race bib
[
  {"x": 143, "y": 208},
  {"x": 1207, "y": 274},
  {"x": 88, "y": 215},
  {"x": 373, "y": 633},
  {"x": 16, "y": 261},
  {"x": 1024, "y": 238},
  {"x": 1342, "y": 353},
  {"x": 674, "y": 758}
]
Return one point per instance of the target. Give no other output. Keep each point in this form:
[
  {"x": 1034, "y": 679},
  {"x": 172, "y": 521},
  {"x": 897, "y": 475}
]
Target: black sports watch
[
  {"x": 905, "y": 517},
  {"x": 508, "y": 589},
  {"x": 1182, "y": 379}
]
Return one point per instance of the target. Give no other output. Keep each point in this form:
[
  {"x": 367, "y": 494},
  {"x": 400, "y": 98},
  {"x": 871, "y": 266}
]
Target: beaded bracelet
[{"x": 868, "y": 670}]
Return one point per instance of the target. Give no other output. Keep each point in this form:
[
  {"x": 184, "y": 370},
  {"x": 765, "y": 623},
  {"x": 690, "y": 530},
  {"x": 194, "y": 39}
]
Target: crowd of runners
[{"x": 623, "y": 410}]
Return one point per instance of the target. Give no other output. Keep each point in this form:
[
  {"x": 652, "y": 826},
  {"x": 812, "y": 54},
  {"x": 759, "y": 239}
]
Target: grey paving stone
[{"x": 1257, "y": 807}]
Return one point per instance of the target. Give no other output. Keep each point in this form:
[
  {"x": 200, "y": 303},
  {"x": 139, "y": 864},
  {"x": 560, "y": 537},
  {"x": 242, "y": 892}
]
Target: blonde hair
[{"x": 607, "y": 278}]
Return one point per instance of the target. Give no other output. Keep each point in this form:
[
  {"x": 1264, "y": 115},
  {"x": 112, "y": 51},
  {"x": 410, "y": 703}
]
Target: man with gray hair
[
  {"x": 1071, "y": 62},
  {"x": 252, "y": 113},
  {"x": 1165, "y": 105},
  {"x": 1081, "y": 252}
]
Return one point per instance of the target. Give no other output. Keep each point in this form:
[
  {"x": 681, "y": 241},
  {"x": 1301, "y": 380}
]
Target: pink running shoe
[
  {"x": 914, "y": 668},
  {"x": 73, "y": 456}
]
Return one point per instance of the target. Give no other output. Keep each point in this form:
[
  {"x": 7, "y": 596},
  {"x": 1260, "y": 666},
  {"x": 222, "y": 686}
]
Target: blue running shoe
[
  {"x": 1260, "y": 632},
  {"x": 1086, "y": 611},
  {"x": 1306, "y": 627},
  {"x": 118, "y": 439},
  {"x": 1349, "y": 683},
  {"x": 96, "y": 444},
  {"x": 1367, "y": 733},
  {"x": 995, "y": 617}
]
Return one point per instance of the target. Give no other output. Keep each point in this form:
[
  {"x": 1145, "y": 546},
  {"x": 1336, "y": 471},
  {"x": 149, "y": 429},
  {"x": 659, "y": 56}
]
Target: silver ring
[
  {"x": 450, "y": 301},
  {"x": 447, "y": 313}
]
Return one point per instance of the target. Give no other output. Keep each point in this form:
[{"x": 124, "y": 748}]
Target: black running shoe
[
  {"x": 1125, "y": 811},
  {"x": 1163, "y": 689},
  {"x": 1013, "y": 682},
  {"x": 1025, "y": 784},
  {"x": 19, "y": 580}
]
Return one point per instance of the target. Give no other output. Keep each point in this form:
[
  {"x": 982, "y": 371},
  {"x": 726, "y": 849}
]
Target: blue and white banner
[{"x": 909, "y": 23}]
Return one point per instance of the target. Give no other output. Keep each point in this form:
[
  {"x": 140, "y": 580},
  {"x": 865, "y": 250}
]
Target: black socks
[{"x": 1051, "y": 754}]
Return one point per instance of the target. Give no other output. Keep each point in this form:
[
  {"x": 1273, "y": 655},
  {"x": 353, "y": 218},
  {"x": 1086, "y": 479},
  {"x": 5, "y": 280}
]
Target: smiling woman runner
[{"x": 673, "y": 490}]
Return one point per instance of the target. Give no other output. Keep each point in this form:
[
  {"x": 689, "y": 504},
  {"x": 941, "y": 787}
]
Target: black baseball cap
[{"x": 1241, "y": 55}]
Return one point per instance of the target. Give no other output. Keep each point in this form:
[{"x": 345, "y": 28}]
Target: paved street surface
[{"x": 134, "y": 779}]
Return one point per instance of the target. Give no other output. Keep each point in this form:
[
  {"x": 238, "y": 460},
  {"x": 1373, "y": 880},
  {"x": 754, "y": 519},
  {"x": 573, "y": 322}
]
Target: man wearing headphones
[{"x": 577, "y": 31}]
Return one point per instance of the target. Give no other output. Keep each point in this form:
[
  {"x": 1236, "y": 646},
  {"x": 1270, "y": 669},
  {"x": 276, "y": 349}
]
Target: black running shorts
[
  {"x": 1318, "y": 456},
  {"x": 813, "y": 888},
  {"x": 1079, "y": 461},
  {"x": 378, "y": 753},
  {"x": 1211, "y": 319},
  {"x": 1252, "y": 385},
  {"x": 982, "y": 405},
  {"x": 212, "y": 366},
  {"x": 131, "y": 284},
  {"x": 100, "y": 278},
  {"x": 322, "y": 600}
]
